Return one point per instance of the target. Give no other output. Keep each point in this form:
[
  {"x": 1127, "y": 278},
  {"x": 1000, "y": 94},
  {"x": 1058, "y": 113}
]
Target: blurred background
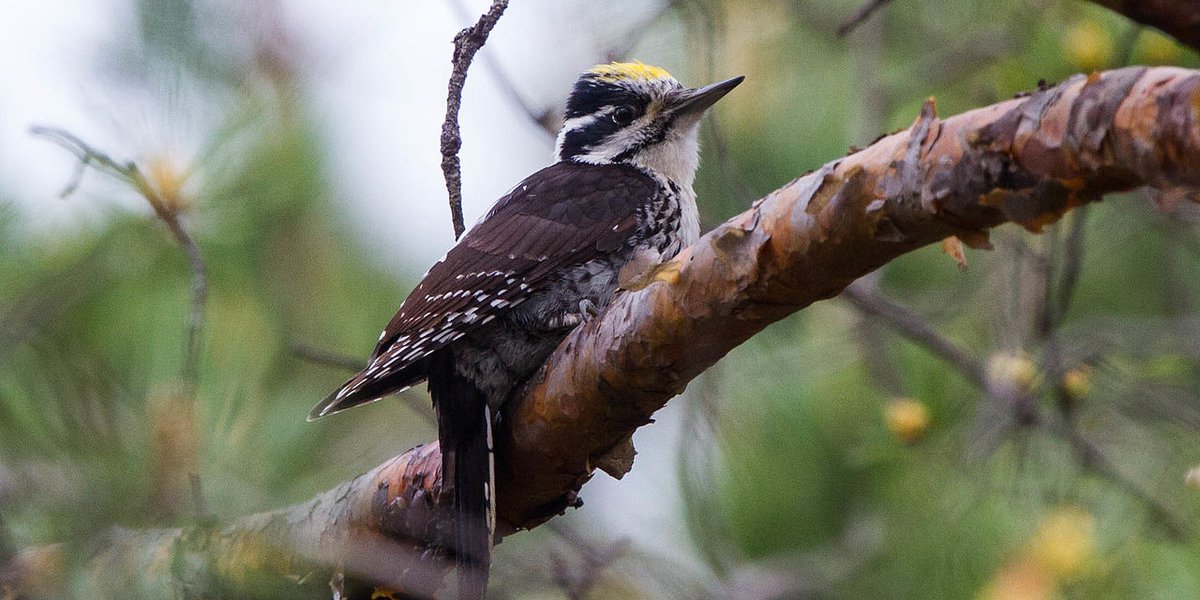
[{"x": 1023, "y": 428}]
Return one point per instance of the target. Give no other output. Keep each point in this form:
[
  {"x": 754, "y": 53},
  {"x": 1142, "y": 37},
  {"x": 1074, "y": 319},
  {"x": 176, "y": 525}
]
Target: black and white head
[{"x": 638, "y": 114}]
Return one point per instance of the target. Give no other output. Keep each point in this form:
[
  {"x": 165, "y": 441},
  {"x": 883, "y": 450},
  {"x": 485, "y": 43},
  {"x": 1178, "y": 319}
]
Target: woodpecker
[{"x": 544, "y": 259}]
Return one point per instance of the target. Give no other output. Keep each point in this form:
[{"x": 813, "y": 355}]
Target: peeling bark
[{"x": 1026, "y": 160}]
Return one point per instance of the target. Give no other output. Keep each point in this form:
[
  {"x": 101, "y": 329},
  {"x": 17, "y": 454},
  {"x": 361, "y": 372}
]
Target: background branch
[
  {"x": 912, "y": 326},
  {"x": 861, "y": 16},
  {"x": 167, "y": 209}
]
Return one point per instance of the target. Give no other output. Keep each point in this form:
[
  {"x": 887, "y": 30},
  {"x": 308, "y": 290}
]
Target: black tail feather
[{"x": 464, "y": 430}]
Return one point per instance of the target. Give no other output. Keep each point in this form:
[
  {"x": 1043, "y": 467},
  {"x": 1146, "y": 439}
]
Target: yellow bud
[
  {"x": 1078, "y": 382},
  {"x": 1005, "y": 368},
  {"x": 1020, "y": 581},
  {"x": 1156, "y": 48},
  {"x": 1064, "y": 543},
  {"x": 907, "y": 419},
  {"x": 1088, "y": 45},
  {"x": 167, "y": 180}
]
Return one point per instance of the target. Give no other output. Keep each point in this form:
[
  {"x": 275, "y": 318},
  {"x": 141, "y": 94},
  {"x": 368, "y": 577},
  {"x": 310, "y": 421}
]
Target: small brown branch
[
  {"x": 861, "y": 16},
  {"x": 318, "y": 356},
  {"x": 1179, "y": 19},
  {"x": 635, "y": 34},
  {"x": 466, "y": 44},
  {"x": 1094, "y": 460},
  {"x": 1072, "y": 263},
  {"x": 578, "y": 582},
  {"x": 915, "y": 328}
]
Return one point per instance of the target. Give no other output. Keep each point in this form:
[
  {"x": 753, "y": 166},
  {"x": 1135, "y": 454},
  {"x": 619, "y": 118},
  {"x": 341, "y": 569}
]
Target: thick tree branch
[{"x": 1027, "y": 160}]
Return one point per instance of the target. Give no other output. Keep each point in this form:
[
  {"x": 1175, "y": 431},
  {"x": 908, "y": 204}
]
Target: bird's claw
[{"x": 587, "y": 310}]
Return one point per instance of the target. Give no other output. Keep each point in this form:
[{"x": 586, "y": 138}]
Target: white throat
[{"x": 676, "y": 158}]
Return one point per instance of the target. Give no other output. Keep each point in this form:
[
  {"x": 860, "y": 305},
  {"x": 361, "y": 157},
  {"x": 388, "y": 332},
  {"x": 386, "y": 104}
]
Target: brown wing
[{"x": 565, "y": 214}]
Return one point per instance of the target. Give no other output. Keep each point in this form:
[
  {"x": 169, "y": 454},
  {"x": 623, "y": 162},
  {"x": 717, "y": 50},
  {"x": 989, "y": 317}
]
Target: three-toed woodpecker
[{"x": 542, "y": 260}]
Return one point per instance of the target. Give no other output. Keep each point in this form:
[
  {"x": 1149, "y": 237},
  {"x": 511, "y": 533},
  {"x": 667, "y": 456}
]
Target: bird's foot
[{"x": 588, "y": 310}]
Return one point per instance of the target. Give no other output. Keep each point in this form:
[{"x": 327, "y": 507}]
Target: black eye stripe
[
  {"x": 577, "y": 142},
  {"x": 591, "y": 96}
]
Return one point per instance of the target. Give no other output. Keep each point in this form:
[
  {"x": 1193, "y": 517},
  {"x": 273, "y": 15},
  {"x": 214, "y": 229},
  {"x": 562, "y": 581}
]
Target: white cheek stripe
[{"x": 569, "y": 125}]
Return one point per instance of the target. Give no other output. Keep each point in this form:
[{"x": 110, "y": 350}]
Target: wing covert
[{"x": 565, "y": 214}]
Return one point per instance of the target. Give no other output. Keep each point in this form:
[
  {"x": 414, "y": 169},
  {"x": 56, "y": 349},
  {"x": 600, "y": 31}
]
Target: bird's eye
[{"x": 623, "y": 115}]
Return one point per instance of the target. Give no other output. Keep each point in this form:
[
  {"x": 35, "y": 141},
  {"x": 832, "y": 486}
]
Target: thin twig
[
  {"x": 546, "y": 119},
  {"x": 880, "y": 364},
  {"x": 198, "y": 497},
  {"x": 1059, "y": 289},
  {"x": 861, "y": 16},
  {"x": 167, "y": 211},
  {"x": 720, "y": 144},
  {"x": 1072, "y": 263},
  {"x": 1094, "y": 460},
  {"x": 8, "y": 549},
  {"x": 327, "y": 358},
  {"x": 88, "y": 157},
  {"x": 466, "y": 44},
  {"x": 916, "y": 329},
  {"x": 578, "y": 583}
]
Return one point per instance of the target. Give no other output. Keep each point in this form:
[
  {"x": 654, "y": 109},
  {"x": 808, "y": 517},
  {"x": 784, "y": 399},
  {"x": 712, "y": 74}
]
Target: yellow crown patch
[{"x": 617, "y": 71}]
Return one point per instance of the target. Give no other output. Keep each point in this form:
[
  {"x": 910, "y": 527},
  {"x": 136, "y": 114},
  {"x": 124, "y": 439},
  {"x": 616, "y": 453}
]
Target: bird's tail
[
  {"x": 474, "y": 510},
  {"x": 465, "y": 434}
]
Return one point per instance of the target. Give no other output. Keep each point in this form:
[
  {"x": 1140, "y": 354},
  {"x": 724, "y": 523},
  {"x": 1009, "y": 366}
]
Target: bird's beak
[{"x": 697, "y": 99}]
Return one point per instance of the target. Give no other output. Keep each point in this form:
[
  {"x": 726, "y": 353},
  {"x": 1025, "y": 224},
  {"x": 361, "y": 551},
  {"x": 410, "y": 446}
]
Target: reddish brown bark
[{"x": 1026, "y": 160}]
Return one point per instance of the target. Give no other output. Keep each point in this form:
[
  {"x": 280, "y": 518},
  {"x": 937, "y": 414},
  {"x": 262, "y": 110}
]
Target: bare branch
[
  {"x": 466, "y": 44},
  {"x": 544, "y": 118},
  {"x": 577, "y": 582},
  {"x": 639, "y": 30},
  {"x": 1072, "y": 263},
  {"x": 329, "y": 359},
  {"x": 861, "y": 16},
  {"x": 166, "y": 210},
  {"x": 1093, "y": 459},
  {"x": 912, "y": 326}
]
